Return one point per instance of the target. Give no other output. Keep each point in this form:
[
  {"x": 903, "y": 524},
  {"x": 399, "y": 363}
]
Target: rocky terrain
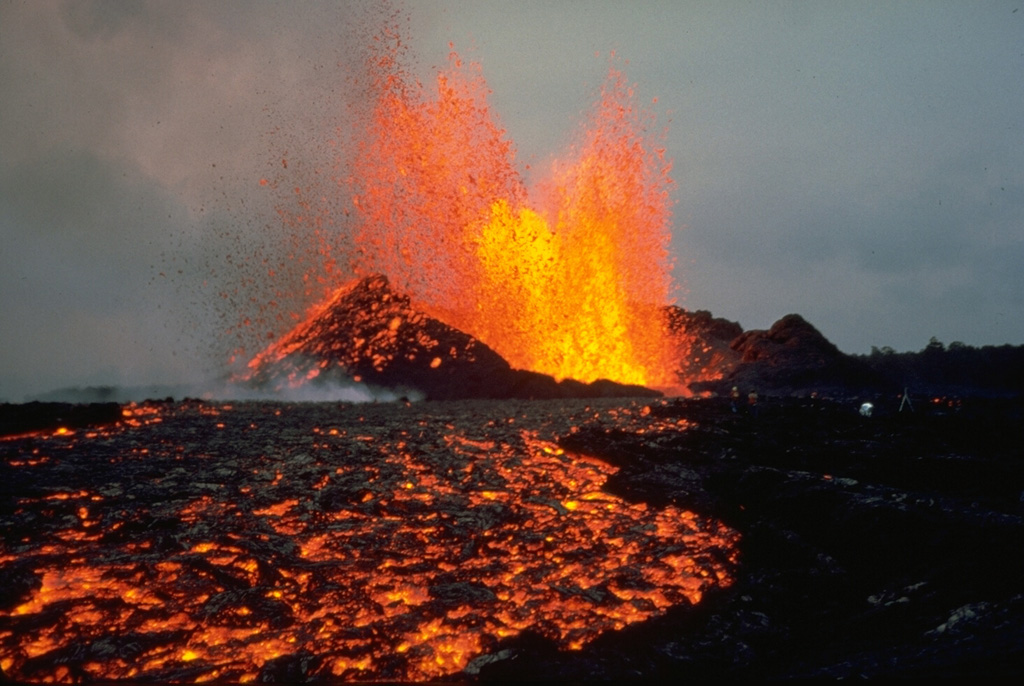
[
  {"x": 238, "y": 541},
  {"x": 840, "y": 516},
  {"x": 848, "y": 545},
  {"x": 372, "y": 335},
  {"x": 871, "y": 547},
  {"x": 373, "y": 339},
  {"x": 793, "y": 358}
]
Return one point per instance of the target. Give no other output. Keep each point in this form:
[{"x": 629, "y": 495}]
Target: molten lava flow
[
  {"x": 381, "y": 542},
  {"x": 570, "y": 282}
]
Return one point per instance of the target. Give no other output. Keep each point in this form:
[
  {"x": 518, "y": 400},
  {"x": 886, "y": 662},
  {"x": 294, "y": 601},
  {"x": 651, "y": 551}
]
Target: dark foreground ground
[
  {"x": 888, "y": 546},
  {"x": 881, "y": 546}
]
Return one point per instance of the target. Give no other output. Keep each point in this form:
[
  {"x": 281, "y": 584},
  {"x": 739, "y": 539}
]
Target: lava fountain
[
  {"x": 259, "y": 542},
  {"x": 570, "y": 279}
]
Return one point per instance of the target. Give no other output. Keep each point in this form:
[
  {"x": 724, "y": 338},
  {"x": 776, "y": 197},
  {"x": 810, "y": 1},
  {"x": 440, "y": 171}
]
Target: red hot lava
[
  {"x": 570, "y": 279},
  {"x": 203, "y": 542}
]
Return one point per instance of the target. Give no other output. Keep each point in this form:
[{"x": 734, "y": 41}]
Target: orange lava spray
[
  {"x": 570, "y": 282},
  {"x": 570, "y": 277}
]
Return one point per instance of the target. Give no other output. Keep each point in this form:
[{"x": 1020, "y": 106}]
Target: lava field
[
  {"x": 497, "y": 541},
  {"x": 208, "y": 541}
]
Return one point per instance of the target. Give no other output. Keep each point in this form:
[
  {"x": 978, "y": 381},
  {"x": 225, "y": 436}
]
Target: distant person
[
  {"x": 752, "y": 403},
  {"x": 735, "y": 402}
]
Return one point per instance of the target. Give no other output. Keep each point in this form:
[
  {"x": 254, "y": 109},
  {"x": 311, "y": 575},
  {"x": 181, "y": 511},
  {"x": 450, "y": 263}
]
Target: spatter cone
[{"x": 367, "y": 333}]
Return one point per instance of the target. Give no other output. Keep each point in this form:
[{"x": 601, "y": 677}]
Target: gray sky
[{"x": 860, "y": 163}]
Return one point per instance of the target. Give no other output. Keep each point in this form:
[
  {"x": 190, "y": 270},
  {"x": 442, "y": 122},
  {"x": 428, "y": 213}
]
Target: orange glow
[
  {"x": 405, "y": 559},
  {"x": 569, "y": 279},
  {"x": 577, "y": 291}
]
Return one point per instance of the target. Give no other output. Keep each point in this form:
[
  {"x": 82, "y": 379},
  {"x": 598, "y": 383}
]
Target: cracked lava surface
[{"x": 199, "y": 541}]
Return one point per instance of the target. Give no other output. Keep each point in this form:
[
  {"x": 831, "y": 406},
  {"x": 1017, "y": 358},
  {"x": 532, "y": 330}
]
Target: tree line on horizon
[{"x": 995, "y": 368}]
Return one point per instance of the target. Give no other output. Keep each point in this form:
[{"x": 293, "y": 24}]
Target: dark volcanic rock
[
  {"x": 704, "y": 342},
  {"x": 871, "y": 547},
  {"x": 793, "y": 357},
  {"x": 370, "y": 334},
  {"x": 704, "y": 324},
  {"x": 300, "y": 668},
  {"x": 39, "y": 416},
  {"x": 791, "y": 339},
  {"x": 329, "y": 542}
]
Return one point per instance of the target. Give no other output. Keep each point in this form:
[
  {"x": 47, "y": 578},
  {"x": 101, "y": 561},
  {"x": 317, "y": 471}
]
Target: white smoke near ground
[
  {"x": 228, "y": 391},
  {"x": 350, "y": 392}
]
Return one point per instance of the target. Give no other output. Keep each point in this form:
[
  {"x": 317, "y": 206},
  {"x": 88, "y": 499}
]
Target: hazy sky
[{"x": 860, "y": 163}]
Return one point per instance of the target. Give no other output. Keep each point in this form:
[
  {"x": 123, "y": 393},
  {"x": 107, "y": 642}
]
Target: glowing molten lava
[
  {"x": 569, "y": 282},
  {"x": 205, "y": 542}
]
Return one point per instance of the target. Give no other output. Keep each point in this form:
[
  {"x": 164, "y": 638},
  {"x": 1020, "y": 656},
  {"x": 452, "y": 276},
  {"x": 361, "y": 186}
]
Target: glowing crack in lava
[
  {"x": 389, "y": 542},
  {"x": 570, "y": 280}
]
